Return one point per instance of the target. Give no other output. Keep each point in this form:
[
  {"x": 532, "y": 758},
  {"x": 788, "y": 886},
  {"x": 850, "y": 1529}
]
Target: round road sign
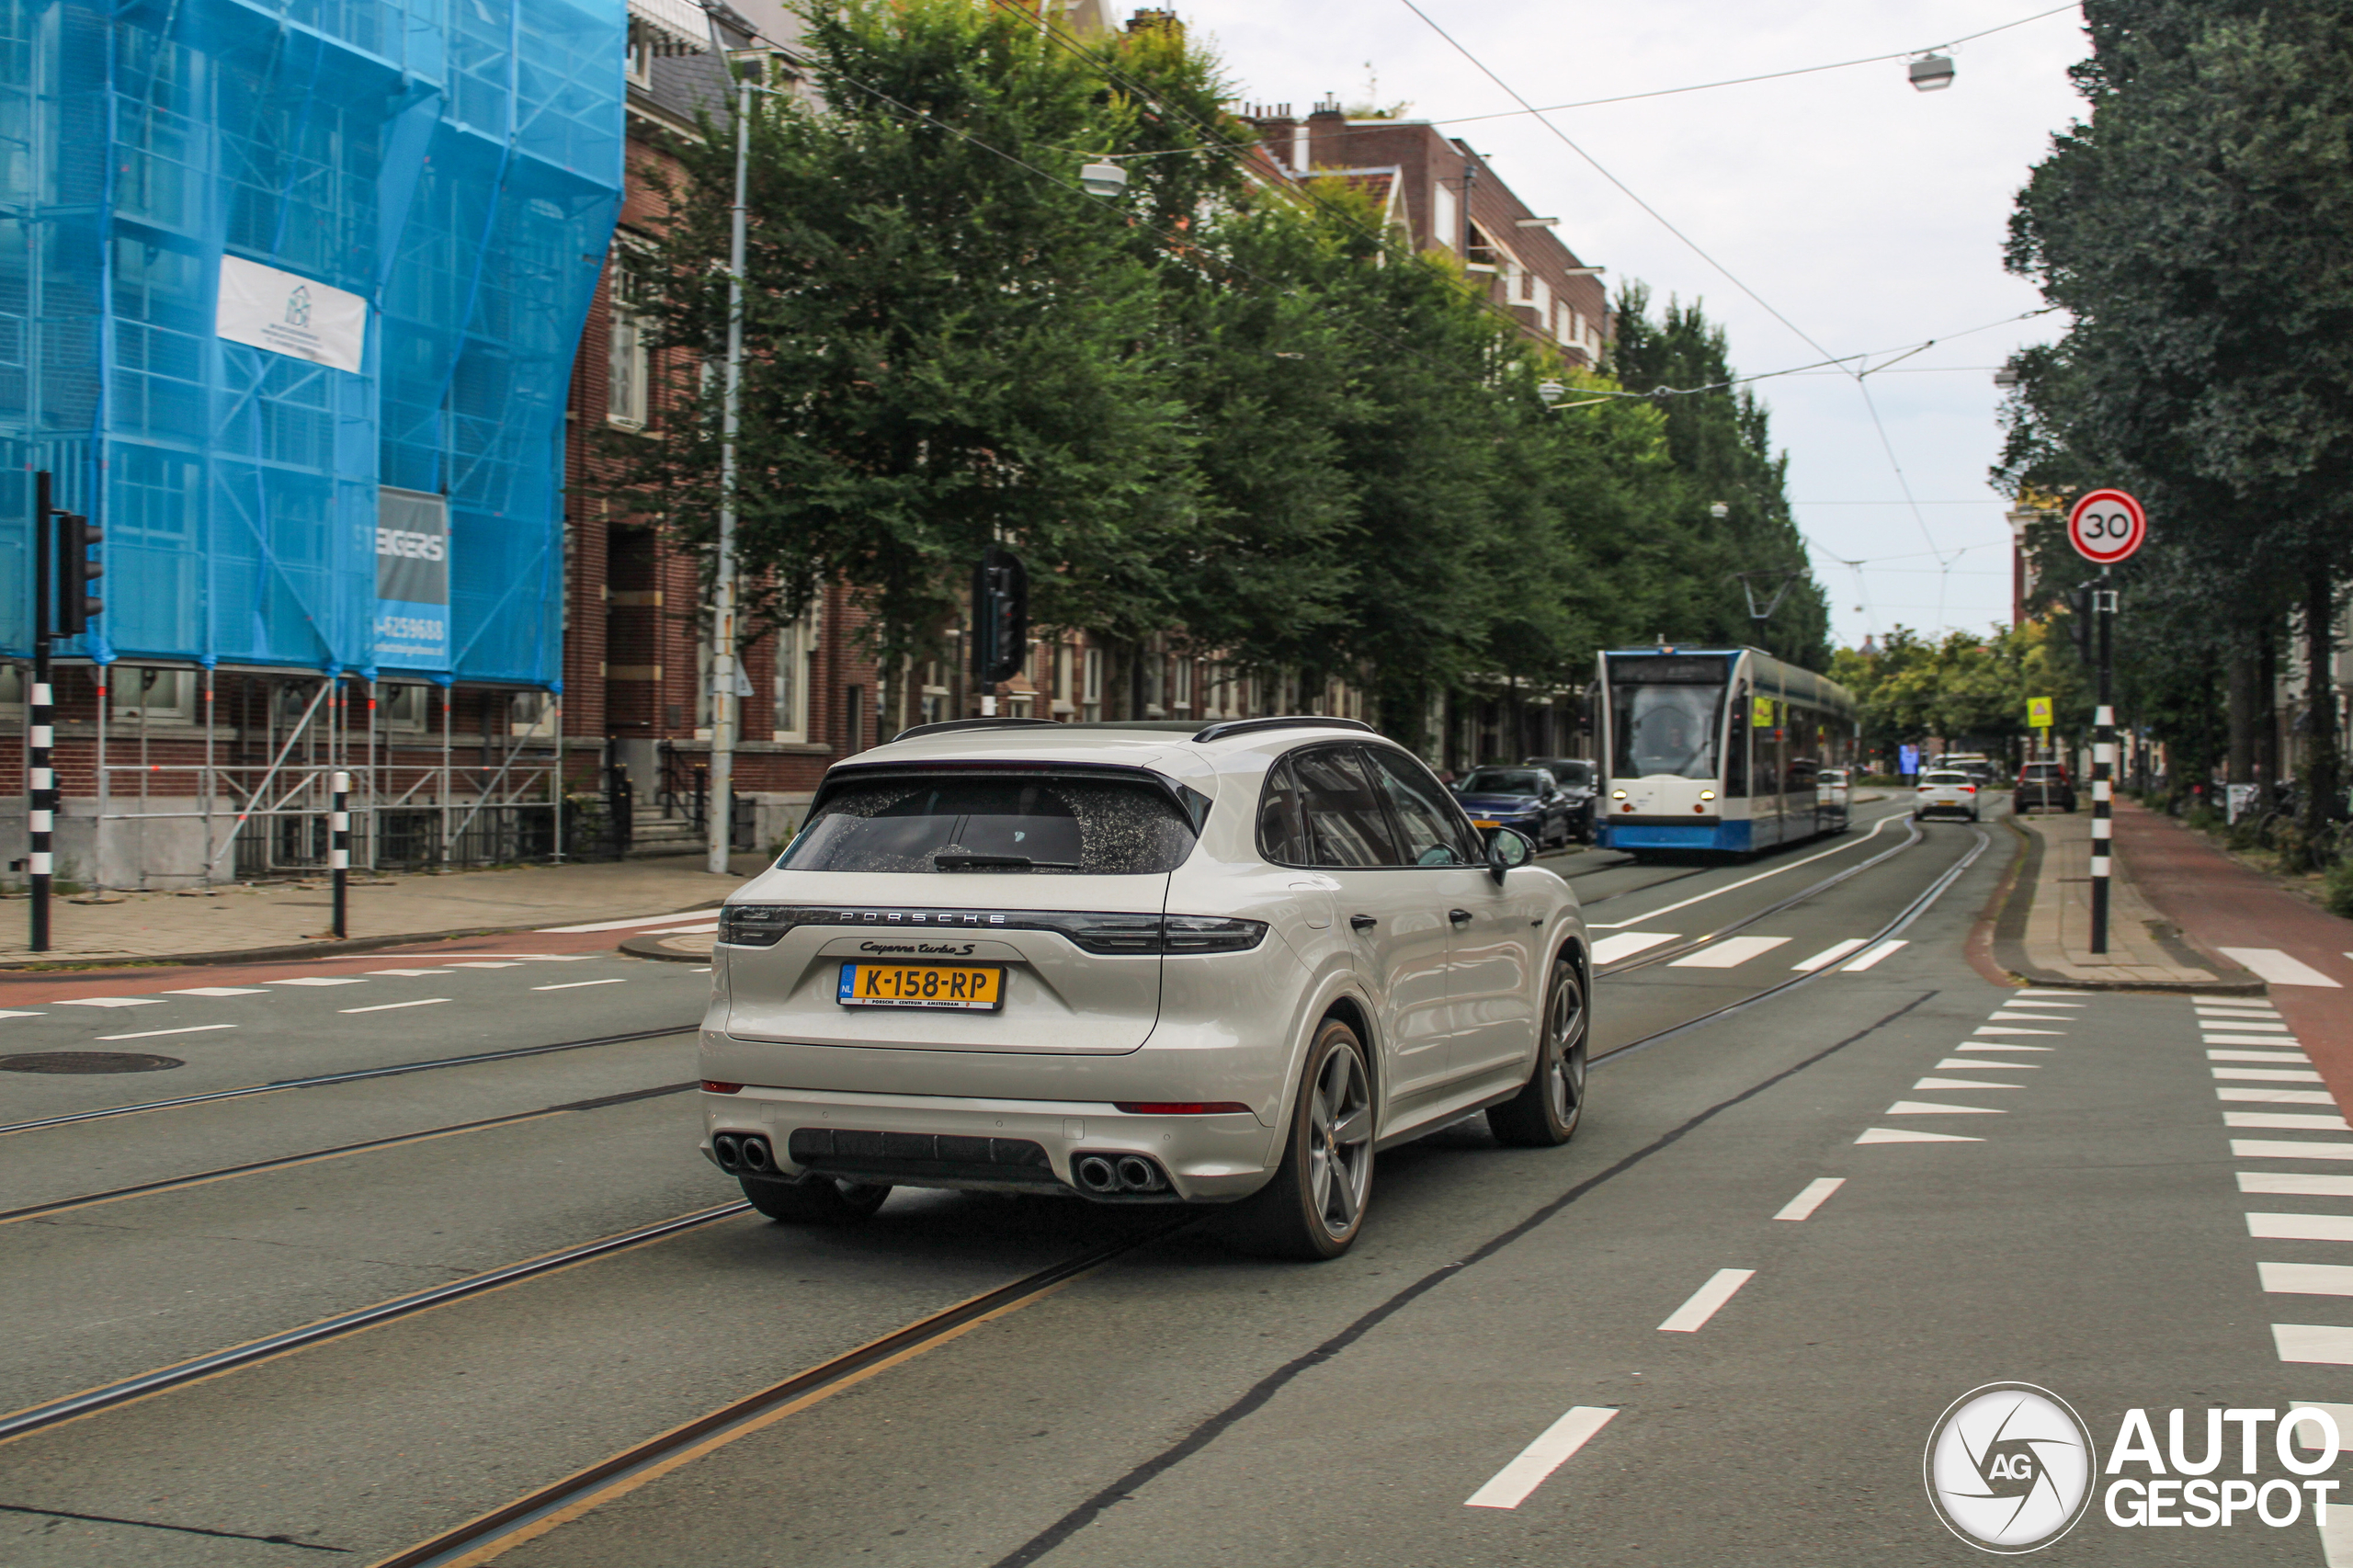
[{"x": 2107, "y": 526}]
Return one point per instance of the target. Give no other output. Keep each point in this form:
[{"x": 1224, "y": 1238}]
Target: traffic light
[
  {"x": 76, "y": 573},
  {"x": 2079, "y": 621},
  {"x": 1000, "y": 617}
]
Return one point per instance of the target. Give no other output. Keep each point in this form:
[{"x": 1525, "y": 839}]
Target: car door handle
[
  {"x": 1361, "y": 922},
  {"x": 1459, "y": 916}
]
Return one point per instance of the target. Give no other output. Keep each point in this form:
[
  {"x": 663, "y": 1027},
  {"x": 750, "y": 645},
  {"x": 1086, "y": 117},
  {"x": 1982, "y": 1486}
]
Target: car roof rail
[
  {"x": 948, "y": 726},
  {"x": 1225, "y": 727}
]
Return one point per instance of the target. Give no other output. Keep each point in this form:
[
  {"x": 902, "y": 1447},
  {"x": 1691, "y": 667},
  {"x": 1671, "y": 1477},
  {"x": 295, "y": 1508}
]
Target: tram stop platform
[
  {"x": 2042, "y": 932},
  {"x": 247, "y": 923}
]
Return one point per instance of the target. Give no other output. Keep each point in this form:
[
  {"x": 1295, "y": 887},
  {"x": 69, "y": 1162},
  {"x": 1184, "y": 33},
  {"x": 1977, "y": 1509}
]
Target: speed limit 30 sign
[{"x": 2107, "y": 526}]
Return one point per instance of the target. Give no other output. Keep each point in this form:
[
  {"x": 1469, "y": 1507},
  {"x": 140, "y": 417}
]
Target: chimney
[{"x": 1326, "y": 136}]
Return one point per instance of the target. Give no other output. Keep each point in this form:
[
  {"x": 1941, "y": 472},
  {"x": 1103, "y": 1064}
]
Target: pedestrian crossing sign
[{"x": 2037, "y": 712}]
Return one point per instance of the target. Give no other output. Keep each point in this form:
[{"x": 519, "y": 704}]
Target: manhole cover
[{"x": 87, "y": 1062}]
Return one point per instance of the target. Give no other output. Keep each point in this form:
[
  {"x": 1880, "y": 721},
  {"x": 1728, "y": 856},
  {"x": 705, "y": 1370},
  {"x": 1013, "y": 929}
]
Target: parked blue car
[{"x": 1528, "y": 799}]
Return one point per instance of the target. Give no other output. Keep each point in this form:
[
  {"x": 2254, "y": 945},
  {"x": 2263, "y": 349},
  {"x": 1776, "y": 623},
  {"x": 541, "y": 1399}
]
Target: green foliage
[
  {"x": 2337, "y": 888},
  {"x": 1248, "y": 420},
  {"x": 1912, "y": 690}
]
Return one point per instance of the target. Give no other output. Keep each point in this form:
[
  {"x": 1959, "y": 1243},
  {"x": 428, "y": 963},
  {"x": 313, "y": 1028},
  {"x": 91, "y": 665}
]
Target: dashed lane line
[
  {"x": 1816, "y": 1191},
  {"x": 1929, "y": 1107},
  {"x": 388, "y": 1006},
  {"x": 1510, "y": 1486},
  {"x": 1962, "y": 1084},
  {"x": 1986, "y": 1064},
  {"x": 1912, "y": 1135},
  {"x": 150, "y": 1034},
  {"x": 576, "y": 985},
  {"x": 109, "y": 1002},
  {"x": 1707, "y": 1301}
]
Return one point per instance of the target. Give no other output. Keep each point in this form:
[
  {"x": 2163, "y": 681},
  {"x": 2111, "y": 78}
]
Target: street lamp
[
  {"x": 1932, "y": 72},
  {"x": 1103, "y": 179},
  {"x": 1549, "y": 391},
  {"x": 1719, "y": 510},
  {"x": 2005, "y": 377}
]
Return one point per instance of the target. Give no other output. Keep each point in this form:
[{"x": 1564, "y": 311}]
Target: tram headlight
[
  {"x": 1617, "y": 794},
  {"x": 1707, "y": 794}
]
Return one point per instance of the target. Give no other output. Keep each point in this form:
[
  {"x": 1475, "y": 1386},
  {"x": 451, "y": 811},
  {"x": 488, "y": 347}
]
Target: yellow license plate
[{"x": 970, "y": 990}]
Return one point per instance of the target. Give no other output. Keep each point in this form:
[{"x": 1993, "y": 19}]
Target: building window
[
  {"x": 1061, "y": 678},
  {"x": 154, "y": 697},
  {"x": 400, "y": 708},
  {"x": 1091, "y": 696},
  {"x": 1448, "y": 219},
  {"x": 628, "y": 383},
  {"x": 793, "y": 647},
  {"x": 531, "y": 714},
  {"x": 1180, "y": 696},
  {"x": 935, "y": 692},
  {"x": 13, "y": 682},
  {"x": 640, "y": 55}
]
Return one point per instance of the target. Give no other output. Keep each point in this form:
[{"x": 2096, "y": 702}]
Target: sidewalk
[
  {"x": 285, "y": 919},
  {"x": 2043, "y": 934}
]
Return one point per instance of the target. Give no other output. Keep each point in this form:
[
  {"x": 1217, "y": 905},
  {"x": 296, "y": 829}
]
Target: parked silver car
[{"x": 1136, "y": 963}]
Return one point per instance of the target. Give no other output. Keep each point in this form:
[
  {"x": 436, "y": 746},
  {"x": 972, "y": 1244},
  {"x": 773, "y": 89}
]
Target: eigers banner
[
  {"x": 2010, "y": 1468},
  {"x": 412, "y": 580}
]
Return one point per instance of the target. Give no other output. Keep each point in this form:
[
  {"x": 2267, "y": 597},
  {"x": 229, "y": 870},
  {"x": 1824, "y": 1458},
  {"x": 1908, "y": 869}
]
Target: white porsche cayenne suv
[{"x": 1151, "y": 962}]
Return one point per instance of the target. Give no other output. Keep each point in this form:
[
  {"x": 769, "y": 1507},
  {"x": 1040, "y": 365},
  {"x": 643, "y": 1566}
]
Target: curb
[
  {"x": 656, "y": 948},
  {"x": 326, "y": 949},
  {"x": 2009, "y": 940}
]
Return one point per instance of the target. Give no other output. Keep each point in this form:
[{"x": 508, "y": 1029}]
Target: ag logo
[
  {"x": 2009, "y": 1468},
  {"x": 298, "y": 307}
]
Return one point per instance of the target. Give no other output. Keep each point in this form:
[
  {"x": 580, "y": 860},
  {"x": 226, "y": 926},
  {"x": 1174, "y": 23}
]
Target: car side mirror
[{"x": 1507, "y": 847}]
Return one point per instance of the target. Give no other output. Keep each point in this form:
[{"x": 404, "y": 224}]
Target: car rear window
[
  {"x": 2040, "y": 771},
  {"x": 1056, "y": 826},
  {"x": 1946, "y": 776}
]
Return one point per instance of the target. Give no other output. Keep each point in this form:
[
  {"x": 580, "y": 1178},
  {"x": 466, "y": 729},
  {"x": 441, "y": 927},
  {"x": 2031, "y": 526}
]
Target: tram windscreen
[{"x": 1665, "y": 715}]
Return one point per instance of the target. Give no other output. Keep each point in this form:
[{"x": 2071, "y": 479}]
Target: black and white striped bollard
[
  {"x": 2103, "y": 766},
  {"x": 339, "y": 849},
  {"x": 41, "y": 807}
]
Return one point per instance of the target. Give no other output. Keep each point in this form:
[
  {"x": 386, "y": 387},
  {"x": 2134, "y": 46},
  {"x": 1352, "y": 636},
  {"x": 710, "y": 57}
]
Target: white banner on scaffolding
[{"x": 289, "y": 314}]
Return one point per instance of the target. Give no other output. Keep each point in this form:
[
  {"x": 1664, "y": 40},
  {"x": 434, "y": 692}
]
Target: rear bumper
[{"x": 1207, "y": 1158}]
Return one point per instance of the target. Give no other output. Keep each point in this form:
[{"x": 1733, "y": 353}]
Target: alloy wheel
[{"x": 1340, "y": 1140}]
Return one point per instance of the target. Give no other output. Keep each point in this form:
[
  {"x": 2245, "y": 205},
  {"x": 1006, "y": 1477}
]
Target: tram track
[{"x": 356, "y": 1076}]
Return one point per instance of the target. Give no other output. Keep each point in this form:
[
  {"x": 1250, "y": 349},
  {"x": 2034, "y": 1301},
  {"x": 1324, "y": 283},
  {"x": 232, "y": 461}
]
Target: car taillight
[
  {"x": 1211, "y": 934},
  {"x": 1968, "y": 788},
  {"x": 1926, "y": 788},
  {"x": 755, "y": 925},
  {"x": 1181, "y": 1107}
]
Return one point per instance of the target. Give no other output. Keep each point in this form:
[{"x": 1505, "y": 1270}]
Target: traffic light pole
[
  {"x": 40, "y": 779},
  {"x": 2103, "y": 760}
]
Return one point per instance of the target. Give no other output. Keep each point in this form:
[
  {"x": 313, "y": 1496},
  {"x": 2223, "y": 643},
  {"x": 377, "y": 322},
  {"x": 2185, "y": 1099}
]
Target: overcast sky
[{"x": 1871, "y": 215}]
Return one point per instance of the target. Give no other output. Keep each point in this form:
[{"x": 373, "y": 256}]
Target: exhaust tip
[
  {"x": 728, "y": 1149},
  {"x": 1097, "y": 1175},
  {"x": 1139, "y": 1175},
  {"x": 756, "y": 1155}
]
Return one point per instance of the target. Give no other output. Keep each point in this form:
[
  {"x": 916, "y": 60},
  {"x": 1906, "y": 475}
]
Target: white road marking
[
  {"x": 324, "y": 980},
  {"x": 2293, "y": 1123},
  {"x": 2010, "y": 1016},
  {"x": 1735, "y": 887},
  {"x": 1802, "y": 1206},
  {"x": 1975, "y": 1065},
  {"x": 1830, "y": 955},
  {"x": 107, "y": 1002},
  {"x": 684, "y": 930},
  {"x": 2031, "y": 991},
  {"x": 2297, "y": 1183},
  {"x": 1707, "y": 1301},
  {"x": 626, "y": 925},
  {"x": 1509, "y": 1487},
  {"x": 412, "y": 972},
  {"x": 2308, "y": 1433},
  {"x": 2306, "y": 1278},
  {"x": 540, "y": 958},
  {"x": 2277, "y": 969},
  {"x": 1905, "y": 1135},
  {"x": 2258, "y": 1055},
  {"x": 1873, "y": 957},
  {"x": 2231, "y": 1002},
  {"x": 2287, "y": 1148},
  {"x": 2208, "y": 1010},
  {"x": 220, "y": 991},
  {"x": 1728, "y": 952},
  {"x": 1961, "y": 1084},
  {"x": 388, "y": 1006},
  {"x": 576, "y": 985},
  {"x": 2275, "y": 1074},
  {"x": 1928, "y": 1108},
  {"x": 1998, "y": 1045},
  {"x": 150, "y": 1034},
  {"x": 502, "y": 964},
  {"x": 2324, "y": 1344},
  {"x": 2245, "y": 1026},
  {"x": 2007, "y": 1029},
  {"x": 2244, "y": 1039},
  {"x": 6, "y": 1015},
  {"x": 1626, "y": 944},
  {"x": 2276, "y": 1096}
]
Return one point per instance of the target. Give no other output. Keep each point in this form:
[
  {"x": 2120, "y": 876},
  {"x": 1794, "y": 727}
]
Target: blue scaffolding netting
[{"x": 428, "y": 187}]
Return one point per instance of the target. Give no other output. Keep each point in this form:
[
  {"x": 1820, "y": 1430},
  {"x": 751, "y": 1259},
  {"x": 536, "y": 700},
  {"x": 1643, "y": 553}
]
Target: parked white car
[
  {"x": 1946, "y": 791},
  {"x": 1145, "y": 962}
]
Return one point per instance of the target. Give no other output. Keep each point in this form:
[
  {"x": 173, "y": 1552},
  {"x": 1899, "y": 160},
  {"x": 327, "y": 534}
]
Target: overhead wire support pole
[
  {"x": 721, "y": 819},
  {"x": 2103, "y": 759}
]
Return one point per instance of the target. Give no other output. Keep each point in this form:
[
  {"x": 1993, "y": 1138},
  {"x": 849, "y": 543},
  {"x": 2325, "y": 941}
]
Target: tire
[
  {"x": 1314, "y": 1207},
  {"x": 1546, "y": 1111},
  {"x": 820, "y": 1200}
]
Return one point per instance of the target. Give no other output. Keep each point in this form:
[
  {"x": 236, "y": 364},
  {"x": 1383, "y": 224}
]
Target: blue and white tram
[{"x": 1717, "y": 749}]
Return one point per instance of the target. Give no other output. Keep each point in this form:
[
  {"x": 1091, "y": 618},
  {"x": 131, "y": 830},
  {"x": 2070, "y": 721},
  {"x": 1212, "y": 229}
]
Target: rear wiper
[{"x": 959, "y": 860}]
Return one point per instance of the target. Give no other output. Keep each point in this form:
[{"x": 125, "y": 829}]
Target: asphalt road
[{"x": 1789, "y": 1236}]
